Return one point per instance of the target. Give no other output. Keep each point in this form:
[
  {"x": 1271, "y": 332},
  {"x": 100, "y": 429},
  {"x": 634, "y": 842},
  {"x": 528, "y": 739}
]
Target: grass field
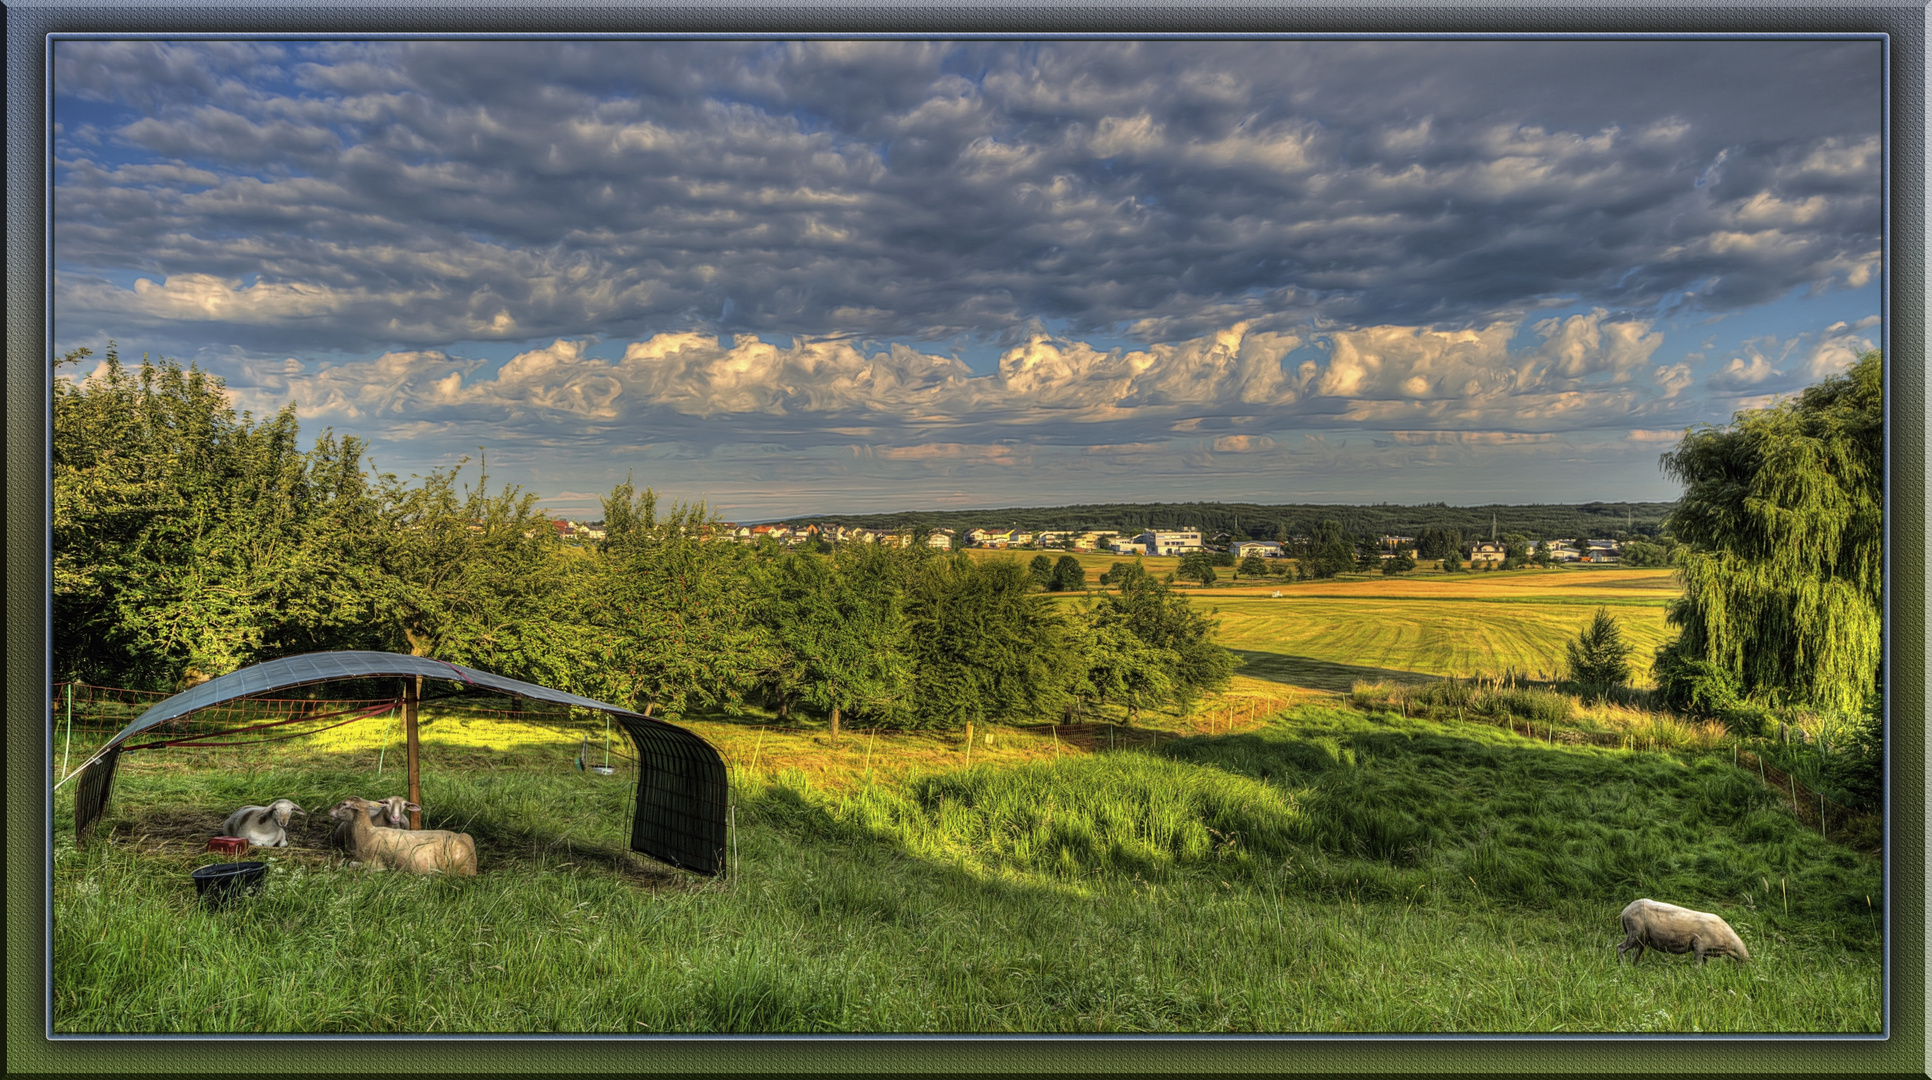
[
  {"x": 1274, "y": 859},
  {"x": 1322, "y": 869}
]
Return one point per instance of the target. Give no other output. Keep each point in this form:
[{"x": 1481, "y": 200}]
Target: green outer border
[{"x": 27, "y": 1046}]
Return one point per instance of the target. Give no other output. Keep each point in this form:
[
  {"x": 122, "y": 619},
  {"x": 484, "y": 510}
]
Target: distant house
[
  {"x": 1091, "y": 541},
  {"x": 1168, "y": 542},
  {"x": 1397, "y": 543},
  {"x": 941, "y": 539},
  {"x": 1487, "y": 552},
  {"x": 562, "y": 527},
  {"x": 1268, "y": 549}
]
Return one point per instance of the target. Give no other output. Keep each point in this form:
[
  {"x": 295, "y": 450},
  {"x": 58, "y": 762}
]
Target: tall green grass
[{"x": 1335, "y": 871}]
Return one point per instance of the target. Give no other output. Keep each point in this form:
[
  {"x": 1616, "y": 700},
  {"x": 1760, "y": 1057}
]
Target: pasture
[
  {"x": 1324, "y": 635},
  {"x": 1313, "y": 868}
]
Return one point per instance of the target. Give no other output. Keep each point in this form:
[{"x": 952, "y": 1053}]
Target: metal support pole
[
  {"x": 412, "y": 695},
  {"x": 64, "y": 754}
]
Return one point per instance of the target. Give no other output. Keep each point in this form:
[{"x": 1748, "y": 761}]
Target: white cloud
[{"x": 1739, "y": 375}]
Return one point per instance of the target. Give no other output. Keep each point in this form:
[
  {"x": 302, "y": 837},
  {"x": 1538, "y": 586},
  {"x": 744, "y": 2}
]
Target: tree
[
  {"x": 1437, "y": 543},
  {"x": 836, "y": 630},
  {"x": 1068, "y": 575},
  {"x": 1398, "y": 563},
  {"x": 984, "y": 645},
  {"x": 1599, "y": 657},
  {"x": 1782, "y": 526},
  {"x": 1329, "y": 552},
  {"x": 1172, "y": 632},
  {"x": 1253, "y": 566},
  {"x": 1366, "y": 559},
  {"x": 1196, "y": 566},
  {"x": 674, "y": 630},
  {"x": 1642, "y": 553},
  {"x": 1542, "y": 556},
  {"x": 189, "y": 540},
  {"x": 1041, "y": 570}
]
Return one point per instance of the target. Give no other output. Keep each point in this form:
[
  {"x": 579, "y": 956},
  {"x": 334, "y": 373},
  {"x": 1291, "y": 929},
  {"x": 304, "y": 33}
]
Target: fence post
[
  {"x": 412, "y": 695},
  {"x": 65, "y": 754}
]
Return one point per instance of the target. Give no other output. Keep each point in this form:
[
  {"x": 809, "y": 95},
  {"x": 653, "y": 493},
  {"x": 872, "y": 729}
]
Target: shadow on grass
[{"x": 1306, "y": 671}]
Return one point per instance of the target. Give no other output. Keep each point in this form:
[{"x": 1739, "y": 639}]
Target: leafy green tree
[
  {"x": 1253, "y": 566},
  {"x": 189, "y": 541},
  {"x": 1782, "y": 522},
  {"x": 836, "y": 631},
  {"x": 984, "y": 646},
  {"x": 1329, "y": 552},
  {"x": 1196, "y": 566},
  {"x": 674, "y": 628},
  {"x": 1068, "y": 575},
  {"x": 1599, "y": 657},
  {"x": 1121, "y": 668},
  {"x": 1642, "y": 553},
  {"x": 1163, "y": 620},
  {"x": 1437, "y": 543},
  {"x": 1041, "y": 570},
  {"x": 1541, "y": 556},
  {"x": 1398, "y": 563},
  {"x": 1367, "y": 559}
]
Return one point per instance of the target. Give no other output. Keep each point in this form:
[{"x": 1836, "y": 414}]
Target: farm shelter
[{"x": 681, "y": 811}]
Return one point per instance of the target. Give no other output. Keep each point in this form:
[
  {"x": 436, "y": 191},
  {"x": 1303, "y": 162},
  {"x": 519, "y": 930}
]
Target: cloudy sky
[{"x": 842, "y": 276}]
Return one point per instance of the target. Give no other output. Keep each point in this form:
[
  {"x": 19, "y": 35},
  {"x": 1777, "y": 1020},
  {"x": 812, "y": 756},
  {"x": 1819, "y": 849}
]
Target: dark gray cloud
[{"x": 414, "y": 194}]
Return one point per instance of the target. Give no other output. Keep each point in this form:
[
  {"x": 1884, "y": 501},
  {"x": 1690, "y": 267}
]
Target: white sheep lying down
[
  {"x": 263, "y": 826},
  {"x": 389, "y": 813},
  {"x": 419, "y": 851},
  {"x": 1678, "y": 930}
]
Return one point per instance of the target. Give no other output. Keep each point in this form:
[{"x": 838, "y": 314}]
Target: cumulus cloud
[
  {"x": 739, "y": 255},
  {"x": 453, "y": 190}
]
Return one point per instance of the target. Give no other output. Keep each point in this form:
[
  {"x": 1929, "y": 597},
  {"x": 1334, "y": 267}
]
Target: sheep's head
[
  {"x": 347, "y": 809},
  {"x": 282, "y": 808},
  {"x": 395, "y": 810}
]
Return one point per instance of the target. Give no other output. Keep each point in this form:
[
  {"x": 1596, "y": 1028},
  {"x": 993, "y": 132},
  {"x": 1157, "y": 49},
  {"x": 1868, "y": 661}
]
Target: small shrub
[{"x": 1600, "y": 657}]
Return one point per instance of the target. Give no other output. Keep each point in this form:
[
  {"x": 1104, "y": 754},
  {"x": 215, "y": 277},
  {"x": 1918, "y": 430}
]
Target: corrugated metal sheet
[{"x": 681, "y": 787}]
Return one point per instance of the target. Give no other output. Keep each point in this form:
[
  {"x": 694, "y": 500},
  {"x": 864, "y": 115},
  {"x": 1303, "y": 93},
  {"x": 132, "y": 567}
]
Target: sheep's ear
[{"x": 412, "y": 808}]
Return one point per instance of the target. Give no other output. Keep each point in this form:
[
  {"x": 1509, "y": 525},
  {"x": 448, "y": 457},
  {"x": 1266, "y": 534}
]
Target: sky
[{"x": 794, "y": 277}]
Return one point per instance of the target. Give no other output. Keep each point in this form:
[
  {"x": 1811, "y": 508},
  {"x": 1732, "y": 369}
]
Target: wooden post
[
  {"x": 413, "y": 694},
  {"x": 835, "y": 725},
  {"x": 969, "y": 744}
]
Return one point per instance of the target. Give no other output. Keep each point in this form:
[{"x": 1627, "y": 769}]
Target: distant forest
[{"x": 1255, "y": 521}]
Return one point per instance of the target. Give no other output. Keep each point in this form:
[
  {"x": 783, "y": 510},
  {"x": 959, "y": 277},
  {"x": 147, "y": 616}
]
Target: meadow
[{"x": 1278, "y": 858}]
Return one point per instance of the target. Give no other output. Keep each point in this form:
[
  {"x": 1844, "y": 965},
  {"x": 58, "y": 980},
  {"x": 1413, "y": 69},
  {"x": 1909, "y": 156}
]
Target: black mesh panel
[
  {"x": 681, "y": 797},
  {"x": 91, "y": 791}
]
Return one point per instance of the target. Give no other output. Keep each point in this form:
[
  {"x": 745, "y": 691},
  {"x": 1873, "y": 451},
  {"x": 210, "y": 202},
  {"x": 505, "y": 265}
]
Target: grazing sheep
[
  {"x": 1678, "y": 930},
  {"x": 390, "y": 813},
  {"x": 262, "y": 826},
  {"x": 425, "y": 851}
]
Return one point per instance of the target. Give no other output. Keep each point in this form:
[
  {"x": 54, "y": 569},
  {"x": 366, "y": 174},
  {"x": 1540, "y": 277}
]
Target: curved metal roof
[{"x": 681, "y": 786}]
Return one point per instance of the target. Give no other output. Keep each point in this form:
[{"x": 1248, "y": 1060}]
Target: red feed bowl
[{"x": 228, "y": 845}]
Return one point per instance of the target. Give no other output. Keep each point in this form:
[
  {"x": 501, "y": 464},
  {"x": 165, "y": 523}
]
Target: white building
[
  {"x": 1265, "y": 548},
  {"x": 1176, "y": 542}
]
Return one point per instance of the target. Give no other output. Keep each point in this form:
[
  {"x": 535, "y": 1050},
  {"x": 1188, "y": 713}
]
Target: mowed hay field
[{"x": 1326, "y": 634}]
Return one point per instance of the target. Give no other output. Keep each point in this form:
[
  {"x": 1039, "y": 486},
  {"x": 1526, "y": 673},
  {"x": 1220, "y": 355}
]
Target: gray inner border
[{"x": 27, "y": 535}]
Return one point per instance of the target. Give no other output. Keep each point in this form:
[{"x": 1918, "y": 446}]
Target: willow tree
[{"x": 1782, "y": 518}]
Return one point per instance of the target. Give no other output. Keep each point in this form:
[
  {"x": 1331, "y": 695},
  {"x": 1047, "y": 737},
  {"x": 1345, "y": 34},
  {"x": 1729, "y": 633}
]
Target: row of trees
[{"x": 190, "y": 541}]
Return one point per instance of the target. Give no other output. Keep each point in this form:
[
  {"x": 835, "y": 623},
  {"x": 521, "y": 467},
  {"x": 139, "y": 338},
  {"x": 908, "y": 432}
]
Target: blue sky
[{"x": 793, "y": 277}]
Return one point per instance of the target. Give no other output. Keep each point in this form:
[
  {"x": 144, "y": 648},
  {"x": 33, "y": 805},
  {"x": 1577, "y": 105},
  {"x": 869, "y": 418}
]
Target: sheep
[
  {"x": 425, "y": 851},
  {"x": 1678, "y": 930},
  {"x": 389, "y": 813},
  {"x": 262, "y": 826}
]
